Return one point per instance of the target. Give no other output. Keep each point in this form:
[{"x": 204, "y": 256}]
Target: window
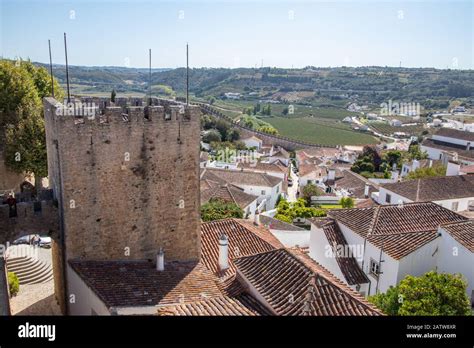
[
  {"x": 278, "y": 189},
  {"x": 263, "y": 192},
  {"x": 374, "y": 268},
  {"x": 309, "y": 182},
  {"x": 388, "y": 198},
  {"x": 454, "y": 206}
]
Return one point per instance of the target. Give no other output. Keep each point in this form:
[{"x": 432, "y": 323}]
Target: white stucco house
[
  {"x": 289, "y": 235},
  {"x": 390, "y": 242},
  {"x": 450, "y": 144},
  {"x": 456, "y": 252},
  {"x": 266, "y": 187},
  {"x": 253, "y": 141},
  {"x": 455, "y": 193}
]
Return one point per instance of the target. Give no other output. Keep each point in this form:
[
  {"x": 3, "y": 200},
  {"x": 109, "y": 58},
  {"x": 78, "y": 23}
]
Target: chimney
[
  {"x": 430, "y": 163},
  {"x": 331, "y": 174},
  {"x": 395, "y": 175},
  {"x": 160, "y": 260},
  {"x": 453, "y": 169},
  {"x": 415, "y": 165},
  {"x": 366, "y": 190},
  {"x": 468, "y": 146},
  {"x": 256, "y": 220},
  {"x": 271, "y": 151},
  {"x": 223, "y": 252}
]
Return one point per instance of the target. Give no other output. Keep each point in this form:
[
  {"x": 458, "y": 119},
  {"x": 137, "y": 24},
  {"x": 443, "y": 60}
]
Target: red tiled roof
[
  {"x": 266, "y": 167},
  {"x": 290, "y": 287},
  {"x": 354, "y": 183},
  {"x": 244, "y": 239},
  {"x": 275, "y": 224},
  {"x": 400, "y": 228},
  {"x": 138, "y": 283},
  {"x": 238, "y": 177},
  {"x": 217, "y": 306},
  {"x": 456, "y": 134},
  {"x": 347, "y": 264},
  {"x": 448, "y": 147},
  {"x": 435, "y": 188},
  {"x": 463, "y": 232},
  {"x": 226, "y": 192}
]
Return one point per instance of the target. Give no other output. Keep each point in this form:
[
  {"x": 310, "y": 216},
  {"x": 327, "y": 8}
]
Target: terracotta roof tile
[
  {"x": 138, "y": 283},
  {"x": 216, "y": 306},
  {"x": 354, "y": 183},
  {"x": 456, "y": 134},
  {"x": 448, "y": 147},
  {"x": 463, "y": 232},
  {"x": 238, "y": 177},
  {"x": 226, "y": 192},
  {"x": 275, "y": 224},
  {"x": 435, "y": 188},
  {"x": 244, "y": 239},
  {"x": 348, "y": 264},
  {"x": 290, "y": 287},
  {"x": 400, "y": 228}
]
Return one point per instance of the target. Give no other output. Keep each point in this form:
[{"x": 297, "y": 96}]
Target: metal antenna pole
[
  {"x": 51, "y": 69},
  {"x": 187, "y": 74},
  {"x": 149, "y": 78},
  {"x": 67, "y": 71}
]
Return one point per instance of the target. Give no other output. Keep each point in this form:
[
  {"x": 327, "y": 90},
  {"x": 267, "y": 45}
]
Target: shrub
[{"x": 13, "y": 283}]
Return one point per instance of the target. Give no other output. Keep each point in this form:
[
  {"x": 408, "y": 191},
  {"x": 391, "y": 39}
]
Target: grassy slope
[{"x": 319, "y": 131}]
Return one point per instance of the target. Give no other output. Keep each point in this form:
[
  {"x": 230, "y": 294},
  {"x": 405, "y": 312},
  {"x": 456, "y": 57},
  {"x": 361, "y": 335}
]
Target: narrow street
[{"x": 292, "y": 190}]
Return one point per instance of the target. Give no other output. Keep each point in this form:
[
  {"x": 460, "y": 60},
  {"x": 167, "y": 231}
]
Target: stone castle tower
[{"x": 126, "y": 178}]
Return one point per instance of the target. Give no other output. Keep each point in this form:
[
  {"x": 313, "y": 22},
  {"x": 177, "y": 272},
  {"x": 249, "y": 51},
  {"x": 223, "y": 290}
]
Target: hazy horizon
[{"x": 248, "y": 34}]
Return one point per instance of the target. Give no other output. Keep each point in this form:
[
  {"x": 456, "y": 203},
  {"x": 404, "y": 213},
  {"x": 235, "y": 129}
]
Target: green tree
[
  {"x": 393, "y": 157},
  {"x": 112, "y": 96},
  {"x": 287, "y": 212},
  {"x": 415, "y": 152},
  {"x": 13, "y": 284},
  {"x": 431, "y": 294},
  {"x": 233, "y": 135},
  {"x": 212, "y": 135},
  {"x": 347, "y": 202},
  {"x": 420, "y": 173},
  {"x": 268, "y": 130},
  {"x": 310, "y": 190},
  {"x": 218, "y": 209},
  {"x": 23, "y": 85}
]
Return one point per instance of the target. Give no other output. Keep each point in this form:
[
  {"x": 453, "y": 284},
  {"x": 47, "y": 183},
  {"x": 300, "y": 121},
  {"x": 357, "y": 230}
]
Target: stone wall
[
  {"x": 9, "y": 180},
  {"x": 28, "y": 221},
  {"x": 127, "y": 180}
]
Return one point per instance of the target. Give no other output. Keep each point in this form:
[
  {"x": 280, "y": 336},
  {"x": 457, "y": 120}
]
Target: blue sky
[{"x": 242, "y": 33}]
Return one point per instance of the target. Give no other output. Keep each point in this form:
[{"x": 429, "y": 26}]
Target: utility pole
[
  {"x": 149, "y": 77},
  {"x": 67, "y": 71},
  {"x": 187, "y": 74},
  {"x": 51, "y": 69}
]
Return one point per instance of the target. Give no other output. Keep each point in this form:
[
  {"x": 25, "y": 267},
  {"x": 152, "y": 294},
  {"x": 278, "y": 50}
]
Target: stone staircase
[{"x": 30, "y": 270}]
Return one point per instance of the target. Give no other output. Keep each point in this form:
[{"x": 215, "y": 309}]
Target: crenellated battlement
[{"x": 94, "y": 110}]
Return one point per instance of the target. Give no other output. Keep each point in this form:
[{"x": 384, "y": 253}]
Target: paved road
[{"x": 292, "y": 189}]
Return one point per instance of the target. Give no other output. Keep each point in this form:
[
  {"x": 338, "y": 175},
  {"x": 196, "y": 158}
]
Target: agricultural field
[
  {"x": 321, "y": 125},
  {"x": 320, "y": 131}
]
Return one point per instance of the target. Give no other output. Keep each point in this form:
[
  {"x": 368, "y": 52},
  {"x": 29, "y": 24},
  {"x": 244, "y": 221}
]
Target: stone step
[{"x": 30, "y": 270}]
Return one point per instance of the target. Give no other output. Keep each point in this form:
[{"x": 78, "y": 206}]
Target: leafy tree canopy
[
  {"x": 218, "y": 209},
  {"x": 431, "y": 294}
]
